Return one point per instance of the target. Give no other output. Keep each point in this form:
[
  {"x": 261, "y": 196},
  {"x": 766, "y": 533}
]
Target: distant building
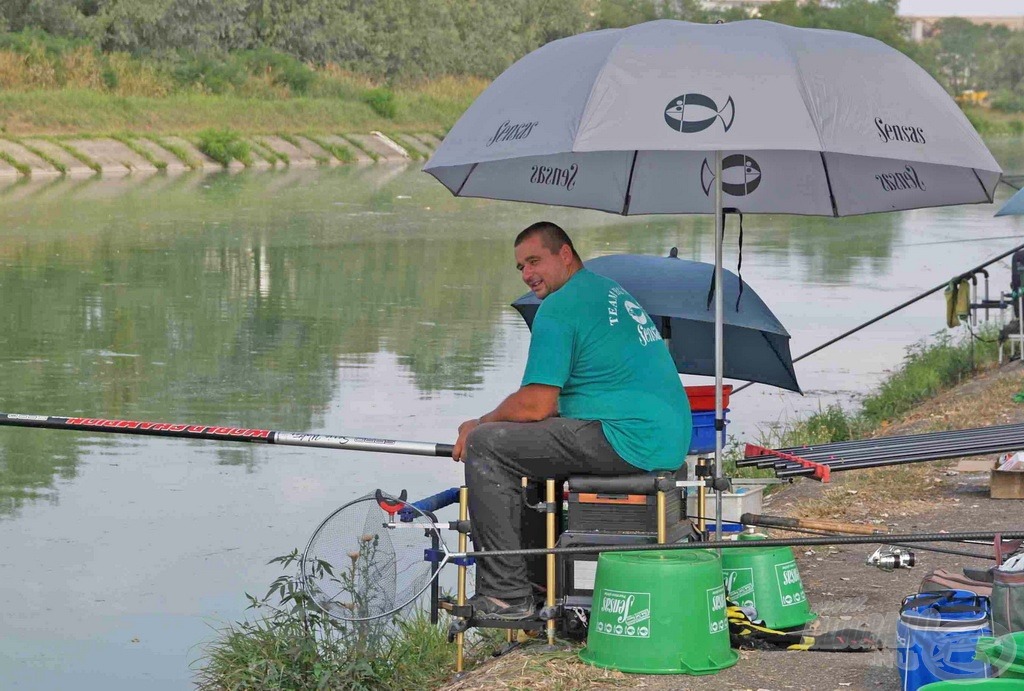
[
  {"x": 924, "y": 27},
  {"x": 921, "y": 27}
]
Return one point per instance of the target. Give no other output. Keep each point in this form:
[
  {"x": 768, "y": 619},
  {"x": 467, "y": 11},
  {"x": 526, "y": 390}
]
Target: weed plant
[
  {"x": 339, "y": 151},
  {"x": 179, "y": 152},
  {"x": 61, "y": 168},
  {"x": 294, "y": 645},
  {"x": 224, "y": 146},
  {"x": 140, "y": 150},
  {"x": 22, "y": 168},
  {"x": 77, "y": 153},
  {"x": 382, "y": 101}
]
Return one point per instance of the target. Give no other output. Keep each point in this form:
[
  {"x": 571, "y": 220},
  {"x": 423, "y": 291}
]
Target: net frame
[{"x": 371, "y": 580}]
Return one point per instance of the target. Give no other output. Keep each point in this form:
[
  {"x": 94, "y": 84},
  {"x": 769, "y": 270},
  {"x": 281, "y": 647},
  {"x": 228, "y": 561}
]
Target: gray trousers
[{"x": 498, "y": 456}]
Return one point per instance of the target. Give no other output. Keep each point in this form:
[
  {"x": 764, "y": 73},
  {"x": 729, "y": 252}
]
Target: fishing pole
[
  {"x": 831, "y": 449},
  {"x": 939, "y": 550},
  {"x": 895, "y": 309},
  {"x": 887, "y": 539},
  {"x": 236, "y": 434}
]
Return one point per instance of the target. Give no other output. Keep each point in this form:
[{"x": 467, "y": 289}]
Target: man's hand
[
  {"x": 530, "y": 403},
  {"x": 459, "y": 452}
]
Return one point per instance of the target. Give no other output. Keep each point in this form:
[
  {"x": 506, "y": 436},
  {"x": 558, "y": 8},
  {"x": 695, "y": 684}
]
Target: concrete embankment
[{"x": 41, "y": 157}]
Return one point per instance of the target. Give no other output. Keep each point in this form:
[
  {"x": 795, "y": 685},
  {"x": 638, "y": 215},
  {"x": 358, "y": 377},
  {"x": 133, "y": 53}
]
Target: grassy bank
[
  {"x": 52, "y": 86},
  {"x": 432, "y": 107},
  {"x": 56, "y": 86},
  {"x": 994, "y": 123}
]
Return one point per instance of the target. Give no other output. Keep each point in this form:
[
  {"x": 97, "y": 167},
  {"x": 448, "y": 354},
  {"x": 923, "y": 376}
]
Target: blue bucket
[
  {"x": 703, "y": 439},
  {"x": 936, "y": 636}
]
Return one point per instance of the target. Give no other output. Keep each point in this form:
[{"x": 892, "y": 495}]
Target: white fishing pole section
[{"x": 236, "y": 434}]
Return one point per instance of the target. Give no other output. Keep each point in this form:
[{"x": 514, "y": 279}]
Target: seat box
[{"x": 621, "y": 513}]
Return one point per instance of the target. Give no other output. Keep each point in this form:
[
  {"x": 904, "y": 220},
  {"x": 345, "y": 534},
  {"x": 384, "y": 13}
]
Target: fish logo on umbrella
[
  {"x": 741, "y": 175},
  {"x": 696, "y": 112}
]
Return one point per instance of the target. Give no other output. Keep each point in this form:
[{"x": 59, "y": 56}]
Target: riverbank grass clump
[
  {"x": 224, "y": 146},
  {"x": 293, "y": 645}
]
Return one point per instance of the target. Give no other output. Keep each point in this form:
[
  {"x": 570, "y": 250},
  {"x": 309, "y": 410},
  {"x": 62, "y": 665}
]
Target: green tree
[
  {"x": 620, "y": 13},
  {"x": 1009, "y": 71},
  {"x": 959, "y": 45},
  {"x": 144, "y": 26}
]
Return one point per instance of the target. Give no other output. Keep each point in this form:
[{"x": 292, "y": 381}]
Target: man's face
[{"x": 543, "y": 271}]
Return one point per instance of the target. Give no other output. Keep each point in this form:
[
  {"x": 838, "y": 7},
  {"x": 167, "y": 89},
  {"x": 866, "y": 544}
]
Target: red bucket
[{"x": 702, "y": 398}]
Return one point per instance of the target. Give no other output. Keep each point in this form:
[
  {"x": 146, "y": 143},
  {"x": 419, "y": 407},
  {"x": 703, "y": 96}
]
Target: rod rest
[{"x": 639, "y": 483}]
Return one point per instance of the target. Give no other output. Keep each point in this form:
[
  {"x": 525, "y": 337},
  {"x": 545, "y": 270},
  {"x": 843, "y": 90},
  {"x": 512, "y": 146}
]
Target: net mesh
[{"x": 359, "y": 565}]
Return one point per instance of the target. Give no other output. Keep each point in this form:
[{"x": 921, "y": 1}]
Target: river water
[{"x": 359, "y": 301}]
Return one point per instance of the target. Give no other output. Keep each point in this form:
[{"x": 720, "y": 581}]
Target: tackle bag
[
  {"x": 936, "y": 636},
  {"x": 941, "y": 580},
  {"x": 1007, "y": 601}
]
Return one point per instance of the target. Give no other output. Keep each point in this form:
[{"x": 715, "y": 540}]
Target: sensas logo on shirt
[{"x": 646, "y": 330}]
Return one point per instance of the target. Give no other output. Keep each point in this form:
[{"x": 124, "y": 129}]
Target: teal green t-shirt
[{"x": 595, "y": 342}]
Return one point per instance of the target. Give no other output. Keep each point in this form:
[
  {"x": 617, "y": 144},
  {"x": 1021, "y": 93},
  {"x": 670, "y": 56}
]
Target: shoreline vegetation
[
  {"x": 276, "y": 650},
  {"x": 247, "y": 89}
]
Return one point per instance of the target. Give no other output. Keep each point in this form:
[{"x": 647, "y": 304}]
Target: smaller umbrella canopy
[
  {"x": 1014, "y": 207},
  {"x": 675, "y": 292}
]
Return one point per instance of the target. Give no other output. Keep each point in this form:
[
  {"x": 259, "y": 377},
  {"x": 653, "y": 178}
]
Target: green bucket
[
  {"x": 973, "y": 684},
  {"x": 767, "y": 579},
  {"x": 1005, "y": 654},
  {"x": 659, "y": 613}
]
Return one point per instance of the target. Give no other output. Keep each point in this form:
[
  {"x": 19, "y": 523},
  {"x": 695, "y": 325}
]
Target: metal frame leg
[
  {"x": 551, "y": 517},
  {"x": 701, "y": 494},
  {"x": 461, "y": 592},
  {"x": 662, "y": 527}
]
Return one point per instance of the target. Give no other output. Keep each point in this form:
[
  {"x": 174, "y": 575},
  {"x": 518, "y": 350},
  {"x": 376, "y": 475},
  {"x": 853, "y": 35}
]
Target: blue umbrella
[
  {"x": 675, "y": 292},
  {"x": 1014, "y": 207}
]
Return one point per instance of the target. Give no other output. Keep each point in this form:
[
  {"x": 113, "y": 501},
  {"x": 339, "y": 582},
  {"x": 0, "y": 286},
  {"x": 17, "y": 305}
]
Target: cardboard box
[{"x": 1006, "y": 484}]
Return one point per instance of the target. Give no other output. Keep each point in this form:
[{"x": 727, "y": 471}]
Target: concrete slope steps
[{"x": 82, "y": 156}]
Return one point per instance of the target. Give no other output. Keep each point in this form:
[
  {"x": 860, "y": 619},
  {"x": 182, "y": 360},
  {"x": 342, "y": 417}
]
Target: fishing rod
[
  {"x": 834, "y": 449},
  {"x": 236, "y": 434},
  {"x": 939, "y": 550},
  {"x": 970, "y": 446},
  {"x": 887, "y": 539},
  {"x": 796, "y": 525},
  {"x": 873, "y": 453},
  {"x": 895, "y": 309}
]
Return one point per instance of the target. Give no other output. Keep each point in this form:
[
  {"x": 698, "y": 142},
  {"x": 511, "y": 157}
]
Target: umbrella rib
[
  {"x": 828, "y": 181},
  {"x": 978, "y": 178},
  {"x": 789, "y": 369},
  {"x": 459, "y": 193},
  {"x": 629, "y": 184}
]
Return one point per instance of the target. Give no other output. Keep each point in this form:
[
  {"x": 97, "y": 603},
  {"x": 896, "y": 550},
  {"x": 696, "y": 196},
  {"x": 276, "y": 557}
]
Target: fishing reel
[{"x": 890, "y": 558}]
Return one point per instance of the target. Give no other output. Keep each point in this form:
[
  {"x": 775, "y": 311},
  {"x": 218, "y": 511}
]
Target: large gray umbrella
[
  {"x": 674, "y": 292},
  {"x": 674, "y": 117}
]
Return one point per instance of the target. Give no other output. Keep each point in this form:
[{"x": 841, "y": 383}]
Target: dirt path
[{"x": 929, "y": 497}]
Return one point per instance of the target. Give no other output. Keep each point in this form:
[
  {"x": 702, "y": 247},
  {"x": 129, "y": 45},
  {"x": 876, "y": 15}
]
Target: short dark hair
[{"x": 551, "y": 235}]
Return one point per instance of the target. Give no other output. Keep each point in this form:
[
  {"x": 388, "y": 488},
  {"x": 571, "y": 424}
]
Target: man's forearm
[{"x": 521, "y": 406}]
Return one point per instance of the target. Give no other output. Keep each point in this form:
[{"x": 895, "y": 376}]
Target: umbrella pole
[{"x": 719, "y": 344}]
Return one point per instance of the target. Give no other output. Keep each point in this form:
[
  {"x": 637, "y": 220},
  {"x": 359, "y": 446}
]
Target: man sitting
[{"x": 600, "y": 396}]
